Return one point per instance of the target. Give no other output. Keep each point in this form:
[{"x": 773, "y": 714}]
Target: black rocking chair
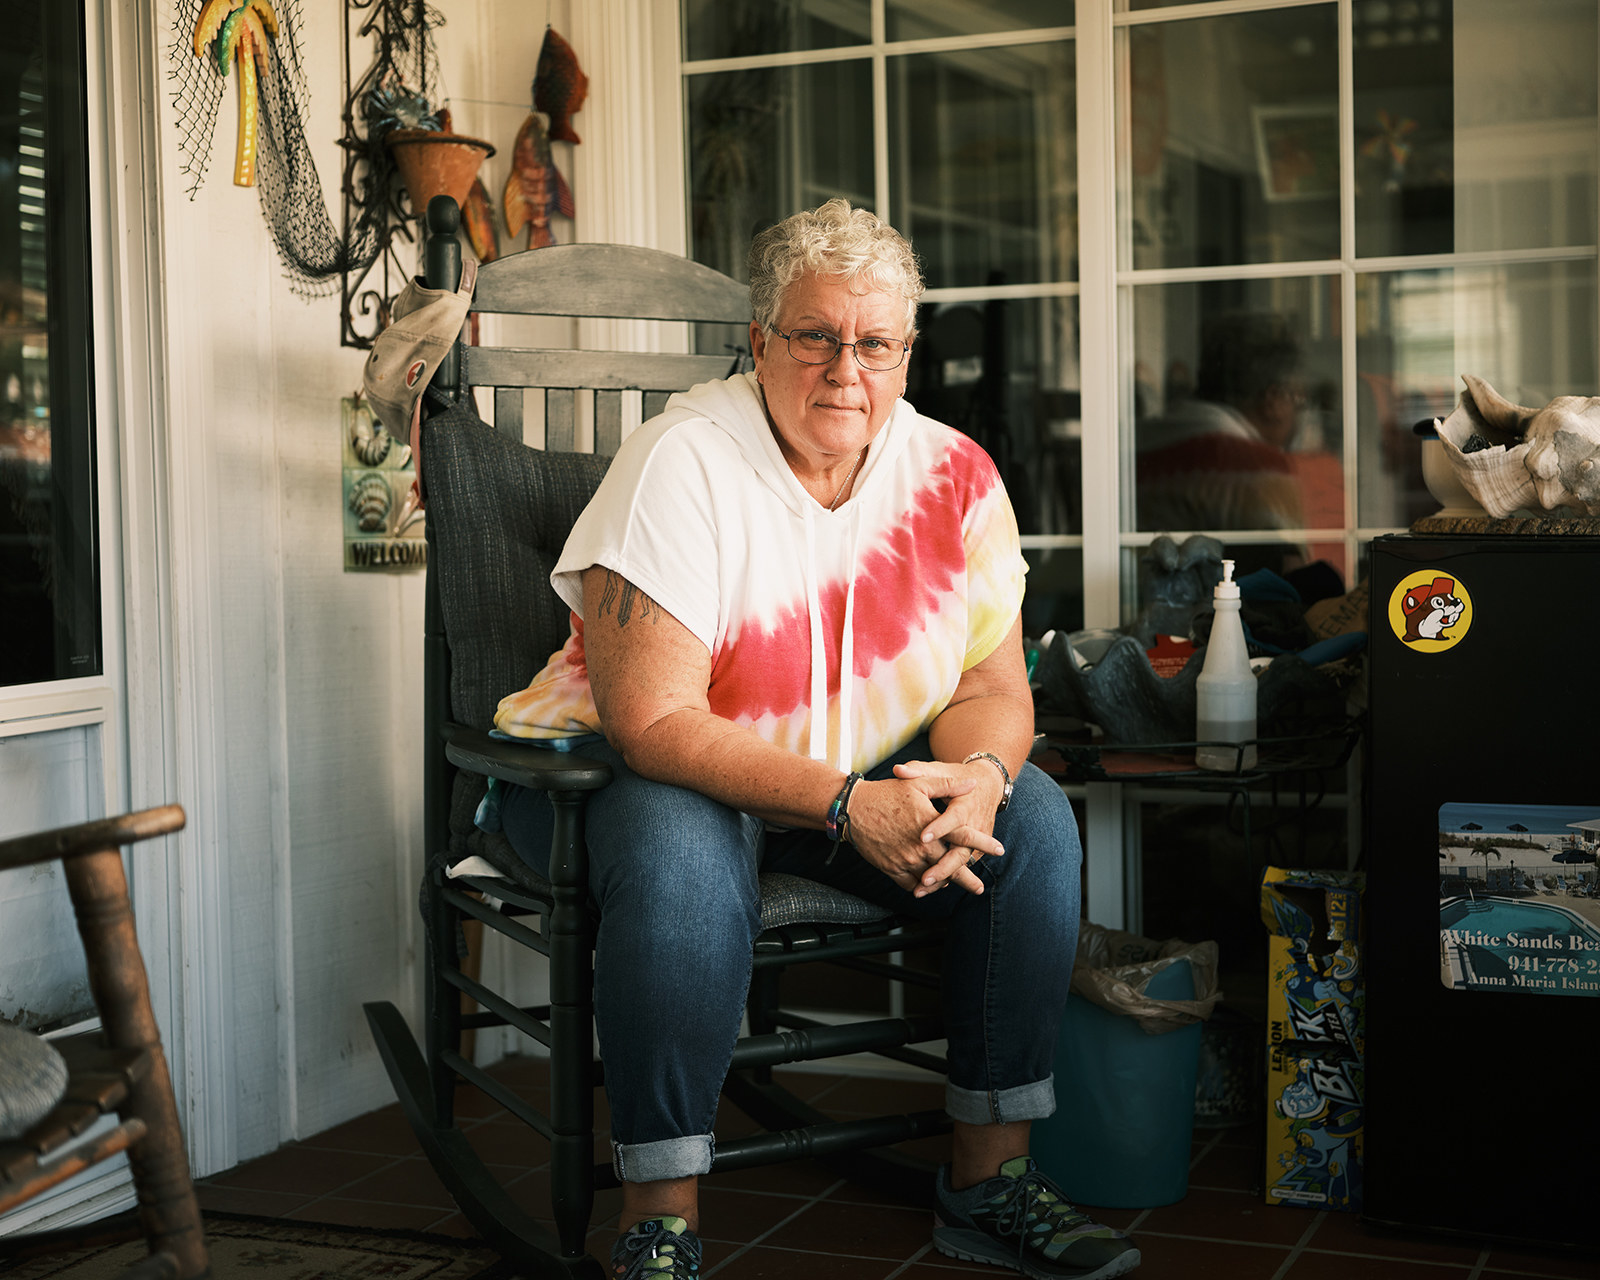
[{"x": 498, "y": 514}]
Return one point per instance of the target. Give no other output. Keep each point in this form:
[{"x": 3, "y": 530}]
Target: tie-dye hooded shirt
[{"x": 914, "y": 580}]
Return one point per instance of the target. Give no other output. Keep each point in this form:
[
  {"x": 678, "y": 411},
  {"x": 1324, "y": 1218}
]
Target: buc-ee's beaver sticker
[{"x": 1429, "y": 610}]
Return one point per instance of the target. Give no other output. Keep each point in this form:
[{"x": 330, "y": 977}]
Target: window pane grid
[
  {"x": 1348, "y": 137},
  {"x": 1407, "y": 190},
  {"x": 888, "y": 48},
  {"x": 1428, "y": 180}
]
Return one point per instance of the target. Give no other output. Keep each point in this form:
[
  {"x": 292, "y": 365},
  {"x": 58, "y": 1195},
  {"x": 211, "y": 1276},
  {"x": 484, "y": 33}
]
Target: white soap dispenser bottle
[{"x": 1225, "y": 693}]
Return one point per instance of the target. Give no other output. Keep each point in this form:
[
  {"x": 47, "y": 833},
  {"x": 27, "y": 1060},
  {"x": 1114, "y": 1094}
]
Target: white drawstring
[
  {"x": 847, "y": 650},
  {"x": 819, "y": 655},
  {"x": 818, "y": 748}
]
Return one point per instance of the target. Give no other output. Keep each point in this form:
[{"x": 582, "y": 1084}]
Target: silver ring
[{"x": 973, "y": 860}]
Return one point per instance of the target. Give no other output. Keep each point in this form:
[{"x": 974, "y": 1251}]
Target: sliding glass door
[{"x": 1325, "y": 213}]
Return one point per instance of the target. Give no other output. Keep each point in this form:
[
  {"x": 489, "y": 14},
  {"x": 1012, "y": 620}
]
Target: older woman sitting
[{"x": 795, "y": 620}]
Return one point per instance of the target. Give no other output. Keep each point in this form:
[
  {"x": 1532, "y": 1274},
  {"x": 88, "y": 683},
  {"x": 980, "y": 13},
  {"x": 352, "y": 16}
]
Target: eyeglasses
[{"x": 813, "y": 346}]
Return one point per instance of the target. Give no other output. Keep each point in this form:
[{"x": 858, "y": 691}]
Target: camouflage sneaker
[
  {"x": 657, "y": 1249},
  {"x": 1021, "y": 1220}
]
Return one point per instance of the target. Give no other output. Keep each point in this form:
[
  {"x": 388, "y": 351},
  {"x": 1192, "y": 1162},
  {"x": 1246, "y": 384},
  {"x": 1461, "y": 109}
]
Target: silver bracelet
[{"x": 1005, "y": 774}]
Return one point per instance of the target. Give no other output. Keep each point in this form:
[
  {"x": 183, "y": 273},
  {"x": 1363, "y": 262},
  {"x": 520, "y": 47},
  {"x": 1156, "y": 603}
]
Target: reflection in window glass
[
  {"x": 1054, "y": 599},
  {"x": 918, "y": 20},
  {"x": 1236, "y": 411},
  {"x": 1006, "y": 374},
  {"x": 1233, "y": 132},
  {"x": 739, "y": 29},
  {"x": 49, "y": 594},
  {"x": 1526, "y": 135},
  {"x": 983, "y": 160},
  {"x": 1405, "y": 129},
  {"x": 763, "y": 143},
  {"x": 1527, "y": 329}
]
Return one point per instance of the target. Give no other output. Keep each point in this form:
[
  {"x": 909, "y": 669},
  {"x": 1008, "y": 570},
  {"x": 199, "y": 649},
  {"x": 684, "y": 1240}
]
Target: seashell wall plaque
[
  {"x": 1513, "y": 459},
  {"x": 371, "y": 501},
  {"x": 383, "y": 522},
  {"x": 371, "y": 442}
]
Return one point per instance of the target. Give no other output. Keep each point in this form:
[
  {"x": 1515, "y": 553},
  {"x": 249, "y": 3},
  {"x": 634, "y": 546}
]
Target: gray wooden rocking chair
[{"x": 498, "y": 514}]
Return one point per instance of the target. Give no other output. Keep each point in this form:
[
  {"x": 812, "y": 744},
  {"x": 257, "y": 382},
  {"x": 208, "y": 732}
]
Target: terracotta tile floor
[{"x": 799, "y": 1220}]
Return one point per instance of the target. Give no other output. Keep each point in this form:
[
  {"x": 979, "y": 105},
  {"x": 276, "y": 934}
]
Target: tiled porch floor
[{"x": 799, "y": 1220}]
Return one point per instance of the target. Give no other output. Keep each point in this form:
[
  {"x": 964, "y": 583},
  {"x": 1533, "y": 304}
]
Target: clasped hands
[{"x": 896, "y": 824}]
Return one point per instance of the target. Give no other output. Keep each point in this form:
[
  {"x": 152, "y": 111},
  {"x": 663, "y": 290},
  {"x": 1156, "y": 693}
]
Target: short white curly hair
[{"x": 833, "y": 240}]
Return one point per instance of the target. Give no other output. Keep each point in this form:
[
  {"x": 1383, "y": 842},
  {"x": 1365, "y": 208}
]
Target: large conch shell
[{"x": 1538, "y": 459}]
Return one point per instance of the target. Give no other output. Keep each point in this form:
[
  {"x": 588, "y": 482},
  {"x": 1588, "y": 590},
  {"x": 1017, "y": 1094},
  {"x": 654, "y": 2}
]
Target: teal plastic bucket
[{"x": 1123, "y": 1127}]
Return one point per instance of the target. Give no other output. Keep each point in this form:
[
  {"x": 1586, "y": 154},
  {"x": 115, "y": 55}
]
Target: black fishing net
[
  {"x": 197, "y": 89},
  {"x": 315, "y": 253}
]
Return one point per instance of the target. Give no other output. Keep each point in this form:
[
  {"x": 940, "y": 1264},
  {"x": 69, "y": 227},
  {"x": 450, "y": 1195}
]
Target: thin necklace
[{"x": 834, "y": 505}]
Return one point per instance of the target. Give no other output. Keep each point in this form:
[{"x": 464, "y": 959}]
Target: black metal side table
[{"x": 1067, "y": 752}]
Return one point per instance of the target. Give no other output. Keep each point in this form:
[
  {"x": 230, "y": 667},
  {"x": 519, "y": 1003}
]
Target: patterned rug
[{"x": 247, "y": 1248}]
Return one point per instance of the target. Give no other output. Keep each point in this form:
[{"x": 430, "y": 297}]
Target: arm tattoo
[{"x": 622, "y": 595}]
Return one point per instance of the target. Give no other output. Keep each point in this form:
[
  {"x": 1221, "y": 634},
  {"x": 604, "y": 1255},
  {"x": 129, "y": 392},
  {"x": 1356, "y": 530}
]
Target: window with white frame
[
  {"x": 955, "y": 122},
  {"x": 1326, "y": 211},
  {"x": 1217, "y": 300}
]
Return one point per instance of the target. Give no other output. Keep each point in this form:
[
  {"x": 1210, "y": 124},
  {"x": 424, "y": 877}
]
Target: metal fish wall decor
[
  {"x": 559, "y": 85},
  {"x": 535, "y": 191},
  {"x": 477, "y": 215}
]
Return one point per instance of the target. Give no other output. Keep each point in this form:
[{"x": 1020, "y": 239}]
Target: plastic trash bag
[{"x": 1114, "y": 969}]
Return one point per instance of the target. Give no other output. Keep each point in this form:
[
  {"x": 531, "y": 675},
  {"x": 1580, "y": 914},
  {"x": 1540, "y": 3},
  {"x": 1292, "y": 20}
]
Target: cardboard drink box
[
  {"x": 1315, "y": 999},
  {"x": 1321, "y": 908},
  {"x": 1316, "y": 1038},
  {"x": 1314, "y": 1126}
]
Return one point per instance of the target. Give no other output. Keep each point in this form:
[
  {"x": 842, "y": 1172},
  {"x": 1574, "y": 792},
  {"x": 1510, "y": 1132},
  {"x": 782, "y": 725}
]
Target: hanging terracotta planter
[{"x": 433, "y": 163}]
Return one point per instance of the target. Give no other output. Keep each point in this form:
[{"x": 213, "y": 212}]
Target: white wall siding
[
  {"x": 316, "y": 674},
  {"x": 47, "y": 780}
]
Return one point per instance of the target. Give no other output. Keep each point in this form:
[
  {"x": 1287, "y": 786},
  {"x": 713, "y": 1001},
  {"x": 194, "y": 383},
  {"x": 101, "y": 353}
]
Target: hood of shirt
[{"x": 735, "y": 405}]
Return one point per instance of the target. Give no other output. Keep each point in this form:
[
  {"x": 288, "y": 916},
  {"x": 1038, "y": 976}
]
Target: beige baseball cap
[{"x": 406, "y": 355}]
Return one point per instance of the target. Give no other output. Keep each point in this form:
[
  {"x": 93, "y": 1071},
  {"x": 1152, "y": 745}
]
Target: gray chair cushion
[
  {"x": 33, "y": 1078},
  {"x": 499, "y": 514},
  {"x": 787, "y": 900}
]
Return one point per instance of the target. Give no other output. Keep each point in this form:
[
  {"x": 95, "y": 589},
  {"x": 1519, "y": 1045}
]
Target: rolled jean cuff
[
  {"x": 669, "y": 1158},
  {"x": 1001, "y": 1106}
]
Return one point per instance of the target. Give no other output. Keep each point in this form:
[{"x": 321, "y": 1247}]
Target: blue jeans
[{"x": 674, "y": 874}]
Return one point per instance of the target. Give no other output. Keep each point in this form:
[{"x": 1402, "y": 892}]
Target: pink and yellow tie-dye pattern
[{"x": 938, "y": 583}]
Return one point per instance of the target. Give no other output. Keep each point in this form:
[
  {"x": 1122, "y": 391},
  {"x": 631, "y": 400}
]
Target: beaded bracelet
[
  {"x": 1005, "y": 775},
  {"x": 839, "y": 814}
]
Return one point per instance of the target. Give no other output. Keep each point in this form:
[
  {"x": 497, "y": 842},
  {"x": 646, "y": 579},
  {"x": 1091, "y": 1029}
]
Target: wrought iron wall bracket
[{"x": 372, "y": 197}]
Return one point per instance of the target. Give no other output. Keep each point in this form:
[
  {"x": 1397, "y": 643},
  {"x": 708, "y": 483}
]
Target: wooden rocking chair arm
[{"x": 91, "y": 837}]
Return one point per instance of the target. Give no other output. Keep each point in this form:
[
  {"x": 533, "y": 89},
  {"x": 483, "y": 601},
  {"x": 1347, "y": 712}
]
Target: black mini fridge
[{"x": 1483, "y": 911}]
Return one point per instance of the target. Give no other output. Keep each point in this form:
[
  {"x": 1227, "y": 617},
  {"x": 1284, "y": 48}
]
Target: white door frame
[
  {"x": 150, "y": 705},
  {"x": 151, "y": 402}
]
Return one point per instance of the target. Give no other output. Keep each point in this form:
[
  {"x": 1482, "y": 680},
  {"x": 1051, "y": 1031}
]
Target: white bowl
[{"x": 1443, "y": 483}]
